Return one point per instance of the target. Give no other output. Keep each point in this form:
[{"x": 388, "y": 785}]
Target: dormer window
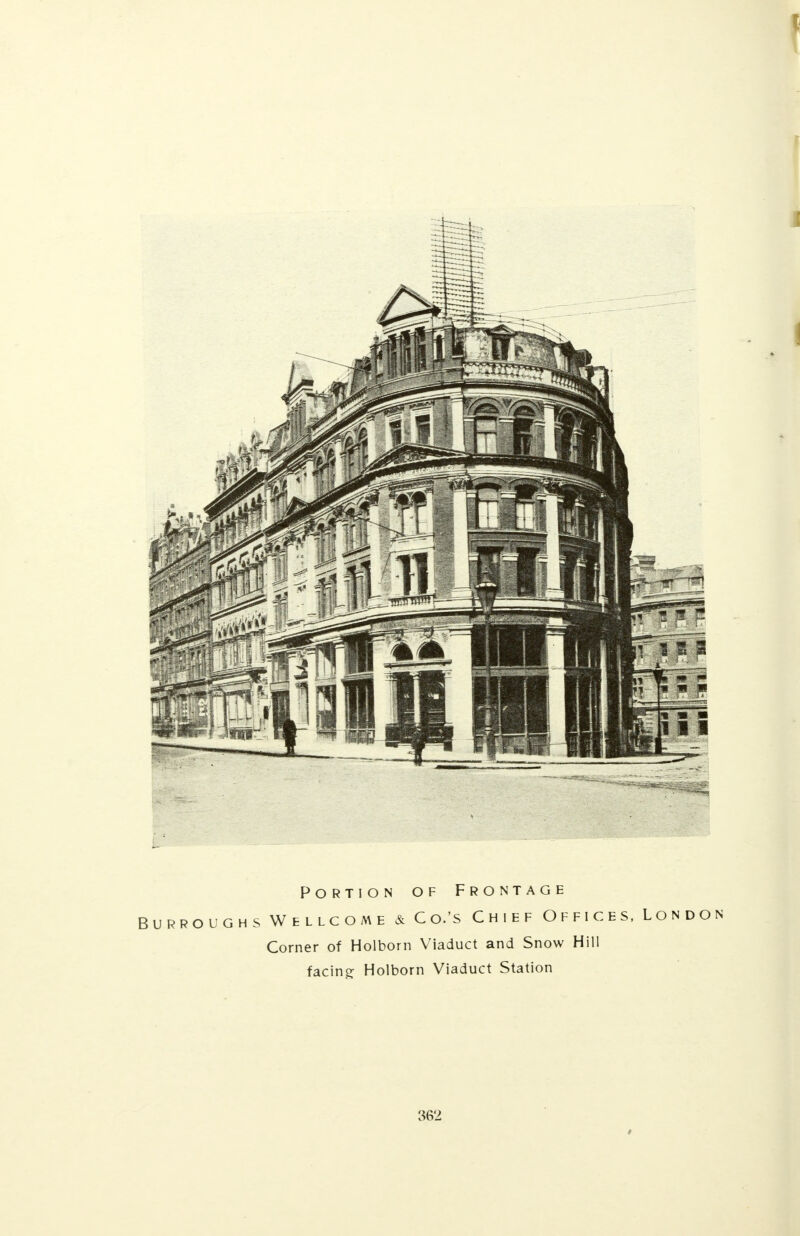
[{"x": 499, "y": 347}]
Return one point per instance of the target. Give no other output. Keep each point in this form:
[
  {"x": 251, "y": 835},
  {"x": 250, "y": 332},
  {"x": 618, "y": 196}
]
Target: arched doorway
[{"x": 420, "y": 692}]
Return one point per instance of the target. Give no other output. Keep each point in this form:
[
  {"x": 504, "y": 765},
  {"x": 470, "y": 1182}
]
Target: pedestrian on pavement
[
  {"x": 289, "y": 735},
  {"x": 418, "y": 744}
]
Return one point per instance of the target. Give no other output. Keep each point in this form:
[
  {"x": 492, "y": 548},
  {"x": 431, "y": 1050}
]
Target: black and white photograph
[
  {"x": 425, "y": 527},
  {"x": 400, "y": 424}
]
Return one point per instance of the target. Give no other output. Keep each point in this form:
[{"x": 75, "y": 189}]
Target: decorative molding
[{"x": 464, "y": 481}]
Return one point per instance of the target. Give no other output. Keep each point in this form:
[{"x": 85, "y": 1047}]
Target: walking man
[
  {"x": 418, "y": 744},
  {"x": 289, "y": 735}
]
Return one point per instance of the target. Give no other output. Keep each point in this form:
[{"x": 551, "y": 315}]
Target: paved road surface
[{"x": 210, "y": 798}]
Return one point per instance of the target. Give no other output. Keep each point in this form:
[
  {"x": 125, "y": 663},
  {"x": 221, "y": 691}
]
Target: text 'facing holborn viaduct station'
[{"x": 345, "y": 548}]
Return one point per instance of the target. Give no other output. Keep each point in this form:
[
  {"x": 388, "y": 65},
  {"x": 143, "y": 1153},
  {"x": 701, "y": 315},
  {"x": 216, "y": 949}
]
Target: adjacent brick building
[
  {"x": 668, "y": 624},
  {"x": 180, "y": 628}
]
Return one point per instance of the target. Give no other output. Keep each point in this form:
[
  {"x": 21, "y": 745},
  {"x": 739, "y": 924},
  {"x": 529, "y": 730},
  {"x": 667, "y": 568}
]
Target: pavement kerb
[{"x": 231, "y": 746}]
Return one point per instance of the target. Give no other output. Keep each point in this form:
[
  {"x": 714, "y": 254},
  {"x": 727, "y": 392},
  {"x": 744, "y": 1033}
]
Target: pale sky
[{"x": 228, "y": 301}]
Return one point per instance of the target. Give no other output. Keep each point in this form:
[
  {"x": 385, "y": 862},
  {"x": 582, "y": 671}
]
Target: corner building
[{"x": 345, "y": 549}]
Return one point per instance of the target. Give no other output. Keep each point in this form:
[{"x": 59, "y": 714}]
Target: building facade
[
  {"x": 668, "y": 624},
  {"x": 180, "y": 628},
  {"x": 345, "y": 548}
]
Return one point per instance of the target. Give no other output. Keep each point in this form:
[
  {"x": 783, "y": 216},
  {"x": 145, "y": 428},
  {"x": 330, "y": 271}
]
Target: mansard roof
[{"x": 405, "y": 303}]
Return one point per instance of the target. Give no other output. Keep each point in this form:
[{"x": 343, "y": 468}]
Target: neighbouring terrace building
[
  {"x": 668, "y": 623},
  {"x": 180, "y": 628},
  {"x": 345, "y": 547}
]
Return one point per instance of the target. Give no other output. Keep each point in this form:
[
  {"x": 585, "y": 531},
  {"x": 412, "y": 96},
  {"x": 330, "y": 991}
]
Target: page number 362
[{"x": 431, "y": 1113}]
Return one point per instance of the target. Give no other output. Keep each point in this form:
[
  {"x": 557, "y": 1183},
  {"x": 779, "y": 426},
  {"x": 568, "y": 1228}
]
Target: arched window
[
  {"x": 362, "y": 449},
  {"x": 488, "y": 507},
  {"x": 567, "y": 515},
  {"x": 528, "y": 432},
  {"x": 403, "y": 653},
  {"x": 330, "y": 541},
  {"x": 362, "y": 525},
  {"x": 529, "y": 510},
  {"x": 413, "y": 514},
  {"x": 590, "y": 446},
  {"x": 565, "y": 433},
  {"x": 431, "y": 651},
  {"x": 349, "y": 530},
  {"x": 330, "y": 470},
  {"x": 486, "y": 432},
  {"x": 349, "y": 459},
  {"x": 319, "y": 476},
  {"x": 438, "y": 348}
]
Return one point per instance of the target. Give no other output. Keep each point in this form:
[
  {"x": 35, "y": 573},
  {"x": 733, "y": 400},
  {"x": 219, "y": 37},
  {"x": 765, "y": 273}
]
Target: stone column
[
  {"x": 311, "y": 577},
  {"x": 600, "y": 432},
  {"x": 459, "y": 690},
  {"x": 549, "y": 431},
  {"x": 339, "y": 464},
  {"x": 601, "y": 562},
  {"x": 291, "y": 589},
  {"x": 417, "y": 703},
  {"x": 341, "y": 589},
  {"x": 375, "y": 564},
  {"x": 461, "y": 588},
  {"x": 380, "y": 689},
  {"x": 269, "y": 586},
  {"x": 209, "y": 710},
  {"x": 555, "y": 690},
  {"x": 615, "y": 548},
  {"x": 341, "y": 713},
  {"x": 220, "y": 715},
  {"x": 457, "y": 418},
  {"x": 371, "y": 437},
  {"x": 255, "y": 704},
  {"x": 309, "y": 488},
  {"x": 621, "y": 735},
  {"x": 554, "y": 591},
  {"x": 604, "y": 693},
  {"x": 311, "y": 657}
]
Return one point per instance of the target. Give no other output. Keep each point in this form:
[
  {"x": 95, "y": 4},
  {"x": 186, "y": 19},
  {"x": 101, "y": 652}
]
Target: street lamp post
[
  {"x": 658, "y": 673},
  {"x": 487, "y": 591}
]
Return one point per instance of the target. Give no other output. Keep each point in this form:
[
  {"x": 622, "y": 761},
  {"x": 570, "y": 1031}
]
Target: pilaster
[{"x": 555, "y": 691}]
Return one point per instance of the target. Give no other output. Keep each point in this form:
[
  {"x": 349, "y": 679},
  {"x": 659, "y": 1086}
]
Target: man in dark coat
[
  {"x": 289, "y": 735},
  {"x": 418, "y": 744}
]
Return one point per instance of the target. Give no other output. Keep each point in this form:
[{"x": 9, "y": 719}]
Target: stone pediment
[
  {"x": 295, "y": 506},
  {"x": 414, "y": 453},
  {"x": 404, "y": 303}
]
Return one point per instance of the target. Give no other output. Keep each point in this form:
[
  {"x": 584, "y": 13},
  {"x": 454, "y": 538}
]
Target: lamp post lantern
[
  {"x": 658, "y": 673},
  {"x": 487, "y": 591}
]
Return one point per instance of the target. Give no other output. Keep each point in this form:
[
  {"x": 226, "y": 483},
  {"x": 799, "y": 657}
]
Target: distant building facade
[
  {"x": 180, "y": 627},
  {"x": 344, "y": 549},
  {"x": 668, "y": 627}
]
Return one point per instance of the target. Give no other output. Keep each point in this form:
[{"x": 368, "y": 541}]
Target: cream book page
[{"x": 398, "y": 473}]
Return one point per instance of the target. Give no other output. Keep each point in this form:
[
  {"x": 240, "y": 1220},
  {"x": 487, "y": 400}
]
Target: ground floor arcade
[{"x": 555, "y": 687}]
